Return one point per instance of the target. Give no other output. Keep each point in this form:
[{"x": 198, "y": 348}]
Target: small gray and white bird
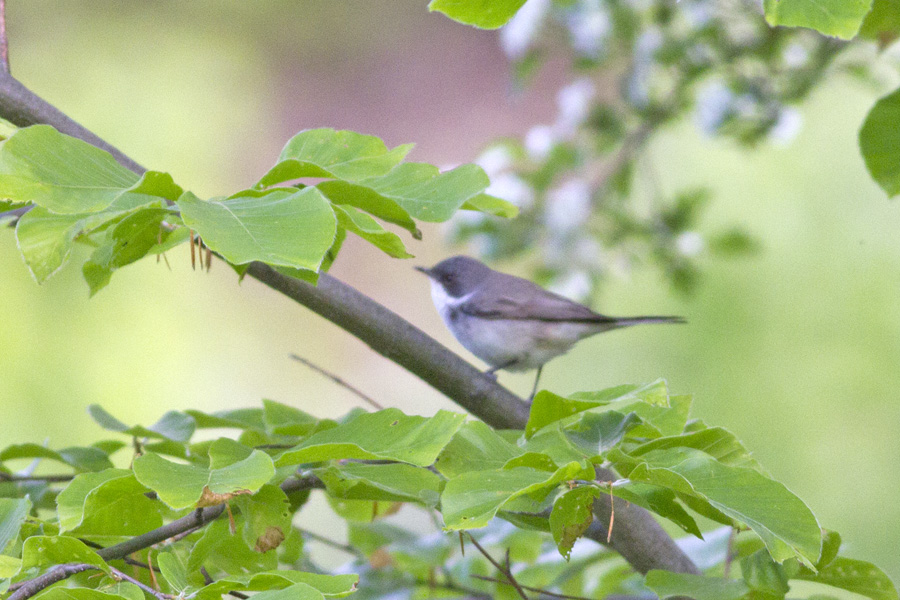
[{"x": 512, "y": 323}]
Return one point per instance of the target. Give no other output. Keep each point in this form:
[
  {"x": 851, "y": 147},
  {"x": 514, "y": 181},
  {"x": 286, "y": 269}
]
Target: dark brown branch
[
  {"x": 504, "y": 570},
  {"x": 359, "y": 393},
  {"x": 638, "y": 537}
]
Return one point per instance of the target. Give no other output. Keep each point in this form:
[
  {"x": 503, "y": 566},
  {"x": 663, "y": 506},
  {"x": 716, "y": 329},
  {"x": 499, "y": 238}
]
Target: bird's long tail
[{"x": 628, "y": 321}]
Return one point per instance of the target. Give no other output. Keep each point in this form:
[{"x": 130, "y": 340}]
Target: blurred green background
[{"x": 795, "y": 349}]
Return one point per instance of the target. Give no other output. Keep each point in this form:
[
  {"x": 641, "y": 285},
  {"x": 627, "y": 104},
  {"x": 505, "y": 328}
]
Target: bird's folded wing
[{"x": 538, "y": 305}]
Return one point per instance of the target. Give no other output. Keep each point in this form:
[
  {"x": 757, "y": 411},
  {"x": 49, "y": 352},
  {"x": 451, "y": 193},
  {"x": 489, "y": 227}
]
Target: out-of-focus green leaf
[
  {"x": 475, "y": 447},
  {"x": 108, "y": 503},
  {"x": 282, "y": 419},
  {"x": 857, "y": 576},
  {"x": 571, "y": 517},
  {"x": 182, "y": 486},
  {"x": 667, "y": 584},
  {"x": 61, "y": 173},
  {"x": 79, "y": 593},
  {"x": 396, "y": 482},
  {"x": 838, "y": 18},
  {"x": 174, "y": 425},
  {"x": 298, "y": 591},
  {"x": 879, "y": 142},
  {"x": 386, "y": 434},
  {"x": 13, "y": 512},
  {"x": 764, "y": 575},
  {"x": 291, "y": 228},
  {"x": 81, "y": 458},
  {"x": 329, "y": 153},
  {"x": 330, "y": 586},
  {"x": 882, "y": 24},
  {"x": 485, "y": 14},
  {"x": 782, "y": 520},
  {"x": 247, "y": 418},
  {"x": 472, "y": 499},
  {"x": 492, "y": 205},
  {"x": 369, "y": 229}
]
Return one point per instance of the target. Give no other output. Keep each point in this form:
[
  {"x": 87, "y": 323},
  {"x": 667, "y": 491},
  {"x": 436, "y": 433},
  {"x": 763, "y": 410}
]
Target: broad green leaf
[
  {"x": 879, "y": 142},
  {"x": 219, "y": 549},
  {"x": 838, "y": 18},
  {"x": 61, "y": 173},
  {"x": 81, "y": 458},
  {"x": 386, "y": 434},
  {"x": 659, "y": 500},
  {"x": 282, "y": 419},
  {"x": 247, "y": 418},
  {"x": 393, "y": 483},
  {"x": 330, "y": 586},
  {"x": 472, "y": 499},
  {"x": 9, "y": 566},
  {"x": 30, "y": 450},
  {"x": 492, "y": 205},
  {"x": 882, "y": 24},
  {"x": 43, "y": 551},
  {"x": 291, "y": 228},
  {"x": 782, "y": 520},
  {"x": 13, "y": 512},
  {"x": 338, "y": 154},
  {"x": 764, "y": 575},
  {"x": 78, "y": 593},
  {"x": 572, "y": 515},
  {"x": 130, "y": 240},
  {"x": 855, "y": 576},
  {"x": 484, "y": 14},
  {"x": 182, "y": 486},
  {"x": 174, "y": 425},
  {"x": 719, "y": 443},
  {"x": 107, "y": 503},
  {"x": 267, "y": 518},
  {"x": 667, "y": 584},
  {"x": 475, "y": 447},
  {"x": 298, "y": 591},
  {"x": 345, "y": 193},
  {"x": 426, "y": 193},
  {"x": 175, "y": 571},
  {"x": 594, "y": 433},
  {"x": 369, "y": 229}
]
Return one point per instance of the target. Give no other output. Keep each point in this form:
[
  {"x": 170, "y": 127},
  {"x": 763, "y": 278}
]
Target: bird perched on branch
[{"x": 512, "y": 323}]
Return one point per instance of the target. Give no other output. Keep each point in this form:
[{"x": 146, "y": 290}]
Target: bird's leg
[
  {"x": 492, "y": 372},
  {"x": 536, "y": 380}
]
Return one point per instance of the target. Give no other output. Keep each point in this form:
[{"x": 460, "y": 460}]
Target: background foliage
[{"x": 828, "y": 229}]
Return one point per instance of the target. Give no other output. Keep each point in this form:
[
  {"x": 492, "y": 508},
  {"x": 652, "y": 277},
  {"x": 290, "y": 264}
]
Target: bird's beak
[{"x": 423, "y": 270}]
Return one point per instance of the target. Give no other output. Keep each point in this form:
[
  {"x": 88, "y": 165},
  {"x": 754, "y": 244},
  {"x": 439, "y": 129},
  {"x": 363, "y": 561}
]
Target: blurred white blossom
[
  {"x": 568, "y": 206},
  {"x": 495, "y": 160},
  {"x": 589, "y": 28},
  {"x": 539, "y": 141},
  {"x": 786, "y": 128},
  {"x": 796, "y": 55},
  {"x": 574, "y": 103},
  {"x": 715, "y": 103},
  {"x": 517, "y": 36},
  {"x": 575, "y": 285},
  {"x": 511, "y": 188},
  {"x": 689, "y": 243},
  {"x": 637, "y": 89}
]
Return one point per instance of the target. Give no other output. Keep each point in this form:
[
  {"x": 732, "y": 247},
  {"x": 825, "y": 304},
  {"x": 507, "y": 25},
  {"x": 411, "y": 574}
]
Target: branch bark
[{"x": 636, "y": 536}]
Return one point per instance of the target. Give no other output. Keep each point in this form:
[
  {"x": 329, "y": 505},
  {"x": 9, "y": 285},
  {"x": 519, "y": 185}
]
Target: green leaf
[
  {"x": 392, "y": 483},
  {"x": 78, "y": 593},
  {"x": 61, "y": 173},
  {"x": 838, "y": 18},
  {"x": 174, "y": 425},
  {"x": 882, "y": 24},
  {"x": 282, "y": 419},
  {"x": 472, "y": 499},
  {"x": 183, "y": 486},
  {"x": 855, "y": 576},
  {"x": 298, "y": 591},
  {"x": 572, "y": 515},
  {"x": 13, "y": 512},
  {"x": 386, "y": 434},
  {"x": 719, "y": 443},
  {"x": 485, "y": 14},
  {"x": 329, "y": 153},
  {"x": 369, "y": 229},
  {"x": 81, "y": 458},
  {"x": 426, "y": 193},
  {"x": 658, "y": 500},
  {"x": 267, "y": 518},
  {"x": 291, "y": 228},
  {"x": 330, "y": 586},
  {"x": 130, "y": 240},
  {"x": 41, "y": 551},
  {"x": 345, "y": 193},
  {"x": 107, "y": 503},
  {"x": 475, "y": 447},
  {"x": 764, "y": 575},
  {"x": 175, "y": 572},
  {"x": 879, "y": 142},
  {"x": 782, "y": 520},
  {"x": 667, "y": 584},
  {"x": 247, "y": 418},
  {"x": 492, "y": 205},
  {"x": 218, "y": 549}
]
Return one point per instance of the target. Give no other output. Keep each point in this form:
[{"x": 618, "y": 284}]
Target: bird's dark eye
[{"x": 447, "y": 277}]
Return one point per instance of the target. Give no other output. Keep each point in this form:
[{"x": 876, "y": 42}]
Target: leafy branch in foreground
[{"x": 227, "y": 514}]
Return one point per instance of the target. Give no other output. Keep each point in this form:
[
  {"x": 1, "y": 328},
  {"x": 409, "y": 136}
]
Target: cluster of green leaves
[
  {"x": 81, "y": 194},
  {"x": 527, "y": 492},
  {"x": 735, "y": 67}
]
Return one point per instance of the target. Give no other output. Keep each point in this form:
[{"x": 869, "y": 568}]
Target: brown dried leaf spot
[
  {"x": 210, "y": 498},
  {"x": 271, "y": 539}
]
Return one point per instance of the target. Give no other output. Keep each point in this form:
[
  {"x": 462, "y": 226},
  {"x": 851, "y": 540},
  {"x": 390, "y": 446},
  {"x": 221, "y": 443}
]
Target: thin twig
[
  {"x": 4, "y": 45},
  {"x": 506, "y": 572},
  {"x": 120, "y": 575},
  {"x": 532, "y": 589},
  {"x": 27, "y": 589},
  {"x": 729, "y": 552},
  {"x": 333, "y": 543},
  {"x": 207, "y": 579},
  {"x": 338, "y": 381}
]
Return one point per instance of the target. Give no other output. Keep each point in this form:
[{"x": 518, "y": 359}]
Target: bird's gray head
[{"x": 458, "y": 275}]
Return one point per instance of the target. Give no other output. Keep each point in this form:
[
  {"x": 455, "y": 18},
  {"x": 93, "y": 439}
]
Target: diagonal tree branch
[{"x": 637, "y": 536}]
